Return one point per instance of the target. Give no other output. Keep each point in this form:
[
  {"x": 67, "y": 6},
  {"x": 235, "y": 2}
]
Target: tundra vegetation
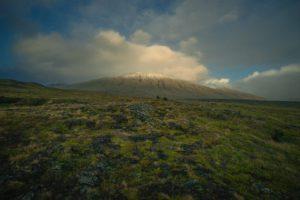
[{"x": 67, "y": 144}]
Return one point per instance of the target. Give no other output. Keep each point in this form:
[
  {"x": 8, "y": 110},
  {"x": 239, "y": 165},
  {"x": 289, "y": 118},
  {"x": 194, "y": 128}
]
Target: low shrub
[{"x": 277, "y": 135}]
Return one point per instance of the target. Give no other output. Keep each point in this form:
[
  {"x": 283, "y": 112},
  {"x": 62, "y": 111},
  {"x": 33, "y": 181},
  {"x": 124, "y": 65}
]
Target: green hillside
[{"x": 67, "y": 144}]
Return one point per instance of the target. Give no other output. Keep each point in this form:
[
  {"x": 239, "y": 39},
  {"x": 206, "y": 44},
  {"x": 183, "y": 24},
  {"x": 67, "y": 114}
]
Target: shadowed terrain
[{"x": 68, "y": 144}]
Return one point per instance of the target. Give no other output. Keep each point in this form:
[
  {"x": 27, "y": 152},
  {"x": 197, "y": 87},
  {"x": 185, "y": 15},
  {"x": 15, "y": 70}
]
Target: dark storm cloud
[
  {"x": 16, "y": 16},
  {"x": 235, "y": 32}
]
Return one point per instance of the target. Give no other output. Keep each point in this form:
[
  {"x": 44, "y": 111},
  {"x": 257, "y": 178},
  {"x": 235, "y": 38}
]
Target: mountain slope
[{"x": 152, "y": 85}]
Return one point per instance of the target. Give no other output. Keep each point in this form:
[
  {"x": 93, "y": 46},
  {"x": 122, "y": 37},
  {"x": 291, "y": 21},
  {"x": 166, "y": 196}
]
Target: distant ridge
[
  {"x": 19, "y": 84},
  {"x": 153, "y": 85}
]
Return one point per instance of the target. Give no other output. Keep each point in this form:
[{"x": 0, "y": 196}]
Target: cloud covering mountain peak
[{"x": 107, "y": 53}]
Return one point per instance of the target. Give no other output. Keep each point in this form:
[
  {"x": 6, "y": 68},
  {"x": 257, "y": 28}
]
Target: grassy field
[{"x": 57, "y": 144}]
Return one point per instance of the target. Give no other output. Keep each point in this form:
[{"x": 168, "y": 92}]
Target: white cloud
[
  {"x": 110, "y": 37},
  {"x": 54, "y": 58},
  {"x": 273, "y": 72},
  {"x": 277, "y": 84},
  {"x": 140, "y": 37},
  {"x": 217, "y": 83}
]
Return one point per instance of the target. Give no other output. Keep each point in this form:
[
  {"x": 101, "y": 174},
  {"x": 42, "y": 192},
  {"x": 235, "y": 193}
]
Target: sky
[{"x": 248, "y": 45}]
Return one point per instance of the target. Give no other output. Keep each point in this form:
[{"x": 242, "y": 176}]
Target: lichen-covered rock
[
  {"x": 141, "y": 111},
  {"x": 120, "y": 119},
  {"x": 88, "y": 177},
  {"x": 76, "y": 122}
]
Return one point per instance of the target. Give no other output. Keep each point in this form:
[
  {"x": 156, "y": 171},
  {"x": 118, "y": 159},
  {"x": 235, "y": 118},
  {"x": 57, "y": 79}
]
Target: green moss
[{"x": 89, "y": 145}]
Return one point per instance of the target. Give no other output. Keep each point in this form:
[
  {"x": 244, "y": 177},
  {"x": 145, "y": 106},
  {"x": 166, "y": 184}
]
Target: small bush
[
  {"x": 120, "y": 118},
  {"x": 277, "y": 136},
  {"x": 90, "y": 124},
  {"x": 33, "y": 101},
  {"x": 9, "y": 100},
  {"x": 174, "y": 125}
]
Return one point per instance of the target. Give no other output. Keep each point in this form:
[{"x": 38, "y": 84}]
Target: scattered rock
[
  {"x": 28, "y": 196},
  {"x": 222, "y": 114},
  {"x": 88, "y": 177},
  {"x": 161, "y": 155},
  {"x": 261, "y": 188},
  {"x": 193, "y": 186},
  {"x": 90, "y": 124},
  {"x": 202, "y": 171},
  {"x": 100, "y": 142},
  {"x": 190, "y": 148},
  {"x": 141, "y": 111},
  {"x": 120, "y": 119},
  {"x": 71, "y": 123},
  {"x": 174, "y": 125},
  {"x": 138, "y": 138}
]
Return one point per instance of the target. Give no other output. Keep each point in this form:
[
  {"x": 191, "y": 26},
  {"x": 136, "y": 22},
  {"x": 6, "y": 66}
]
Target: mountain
[{"x": 153, "y": 85}]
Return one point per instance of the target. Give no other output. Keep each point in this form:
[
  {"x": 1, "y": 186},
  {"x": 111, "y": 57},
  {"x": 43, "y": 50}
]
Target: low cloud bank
[{"x": 280, "y": 84}]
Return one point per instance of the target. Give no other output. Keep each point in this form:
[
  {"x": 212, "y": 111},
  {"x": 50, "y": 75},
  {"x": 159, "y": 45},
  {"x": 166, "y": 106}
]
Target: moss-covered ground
[{"x": 57, "y": 144}]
